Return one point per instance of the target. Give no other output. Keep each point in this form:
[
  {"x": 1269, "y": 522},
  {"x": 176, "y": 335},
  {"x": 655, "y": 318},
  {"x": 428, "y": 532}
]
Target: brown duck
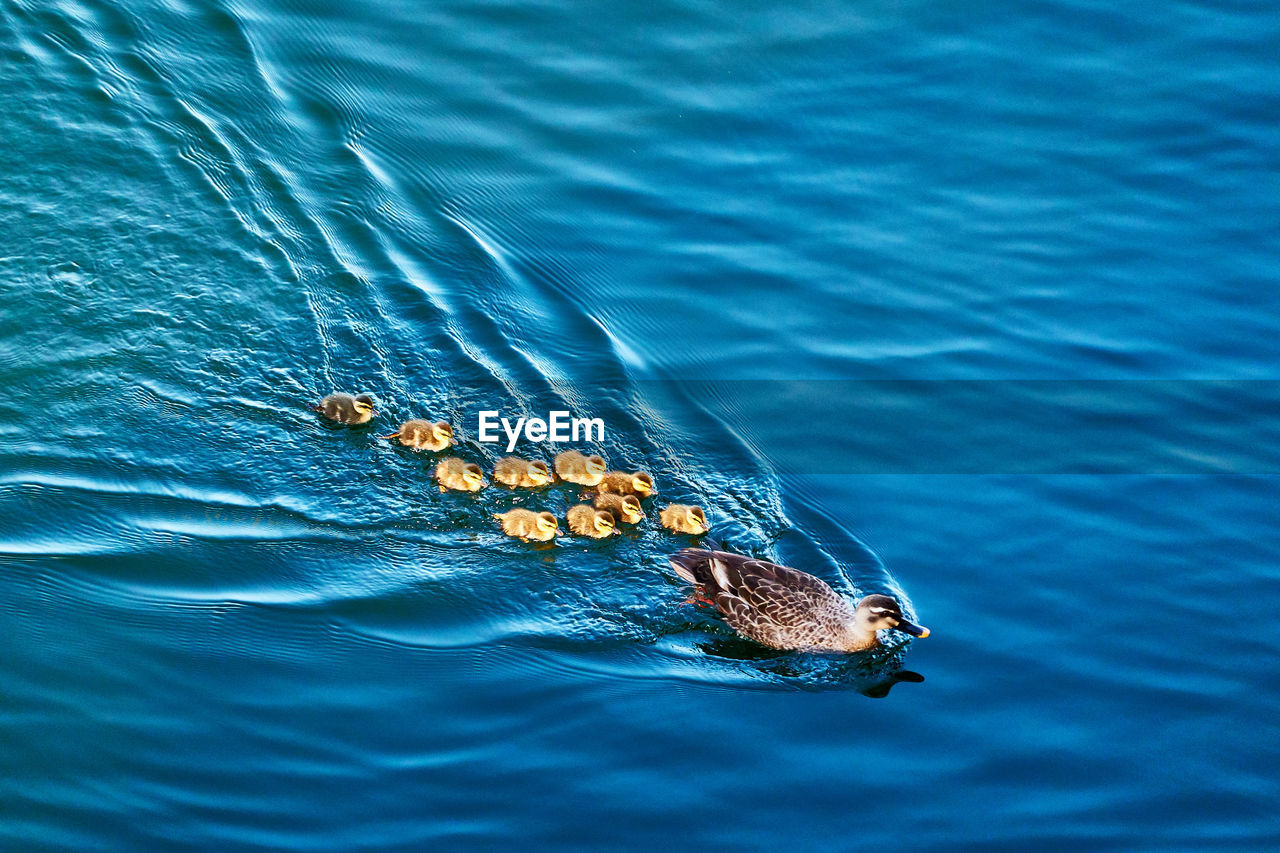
[{"x": 785, "y": 608}]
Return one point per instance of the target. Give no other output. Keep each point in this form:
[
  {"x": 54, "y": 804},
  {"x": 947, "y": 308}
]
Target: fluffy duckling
[
  {"x": 585, "y": 520},
  {"x": 625, "y": 508},
  {"x": 639, "y": 484},
  {"x": 525, "y": 524},
  {"x": 575, "y": 467},
  {"x": 521, "y": 473},
  {"x": 786, "y": 608},
  {"x": 459, "y": 475},
  {"x": 346, "y": 409},
  {"x": 682, "y": 518},
  {"x": 423, "y": 435}
]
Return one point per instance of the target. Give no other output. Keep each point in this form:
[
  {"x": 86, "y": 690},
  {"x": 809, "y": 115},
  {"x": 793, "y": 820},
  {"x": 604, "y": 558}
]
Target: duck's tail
[{"x": 692, "y": 564}]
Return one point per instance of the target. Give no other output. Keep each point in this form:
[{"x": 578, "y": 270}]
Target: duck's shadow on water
[{"x": 872, "y": 673}]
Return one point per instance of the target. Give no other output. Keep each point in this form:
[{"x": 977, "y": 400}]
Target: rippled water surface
[{"x": 973, "y": 306}]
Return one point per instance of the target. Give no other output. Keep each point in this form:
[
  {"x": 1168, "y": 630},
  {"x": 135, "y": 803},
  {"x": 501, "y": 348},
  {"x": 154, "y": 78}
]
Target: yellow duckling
[
  {"x": 682, "y": 518},
  {"x": 424, "y": 435},
  {"x": 625, "y": 508},
  {"x": 459, "y": 475},
  {"x": 639, "y": 484},
  {"x": 521, "y": 473},
  {"x": 346, "y": 409},
  {"x": 525, "y": 524},
  {"x": 585, "y": 520},
  {"x": 575, "y": 467}
]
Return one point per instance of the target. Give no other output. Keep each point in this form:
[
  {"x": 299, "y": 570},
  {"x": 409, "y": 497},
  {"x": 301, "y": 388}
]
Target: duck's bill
[{"x": 912, "y": 628}]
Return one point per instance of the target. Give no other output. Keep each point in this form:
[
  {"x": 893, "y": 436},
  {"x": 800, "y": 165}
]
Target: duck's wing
[{"x": 772, "y": 604}]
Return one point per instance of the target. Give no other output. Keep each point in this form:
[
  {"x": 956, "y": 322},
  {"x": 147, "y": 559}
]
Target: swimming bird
[
  {"x": 423, "y": 435},
  {"x": 682, "y": 518},
  {"x": 521, "y": 473},
  {"x": 525, "y": 524},
  {"x": 786, "y": 608},
  {"x": 585, "y": 520},
  {"x": 639, "y": 484},
  {"x": 459, "y": 475},
  {"x": 625, "y": 508},
  {"x": 346, "y": 409},
  {"x": 575, "y": 467}
]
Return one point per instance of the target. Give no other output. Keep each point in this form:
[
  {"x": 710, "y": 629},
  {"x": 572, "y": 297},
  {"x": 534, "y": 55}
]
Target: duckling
[
  {"x": 625, "y": 508},
  {"x": 585, "y": 520},
  {"x": 521, "y": 473},
  {"x": 346, "y": 409},
  {"x": 682, "y": 518},
  {"x": 639, "y": 484},
  {"x": 785, "y": 608},
  {"x": 575, "y": 467},
  {"x": 424, "y": 435},
  {"x": 525, "y": 524},
  {"x": 460, "y": 475}
]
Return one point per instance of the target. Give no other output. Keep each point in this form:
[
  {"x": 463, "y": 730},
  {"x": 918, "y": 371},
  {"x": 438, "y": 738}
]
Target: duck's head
[
  {"x": 472, "y": 475},
  {"x": 539, "y": 473},
  {"x": 548, "y": 523},
  {"x": 596, "y": 466},
  {"x": 642, "y": 483},
  {"x": 442, "y": 432},
  {"x": 698, "y": 519},
  {"x": 880, "y": 613},
  {"x": 631, "y": 511},
  {"x": 604, "y": 523},
  {"x": 363, "y": 404}
]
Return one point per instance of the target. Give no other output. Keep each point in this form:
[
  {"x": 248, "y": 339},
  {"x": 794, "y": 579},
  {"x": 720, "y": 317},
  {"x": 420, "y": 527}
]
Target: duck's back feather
[{"x": 772, "y": 604}]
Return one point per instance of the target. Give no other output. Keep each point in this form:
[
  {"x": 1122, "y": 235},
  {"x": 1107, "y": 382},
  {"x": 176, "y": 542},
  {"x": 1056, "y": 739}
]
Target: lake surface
[{"x": 974, "y": 306}]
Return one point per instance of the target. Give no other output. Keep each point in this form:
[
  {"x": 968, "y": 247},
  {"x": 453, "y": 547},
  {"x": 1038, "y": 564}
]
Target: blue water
[{"x": 976, "y": 306}]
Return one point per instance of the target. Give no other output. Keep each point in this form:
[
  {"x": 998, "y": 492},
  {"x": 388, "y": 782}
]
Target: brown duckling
[
  {"x": 625, "y": 508},
  {"x": 521, "y": 473},
  {"x": 525, "y": 524},
  {"x": 682, "y": 518},
  {"x": 639, "y": 484},
  {"x": 585, "y": 520},
  {"x": 423, "y": 435},
  {"x": 346, "y": 409},
  {"x": 459, "y": 475},
  {"x": 575, "y": 467}
]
